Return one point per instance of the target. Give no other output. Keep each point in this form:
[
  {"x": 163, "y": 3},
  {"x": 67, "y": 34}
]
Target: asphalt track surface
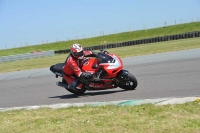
[{"x": 171, "y": 74}]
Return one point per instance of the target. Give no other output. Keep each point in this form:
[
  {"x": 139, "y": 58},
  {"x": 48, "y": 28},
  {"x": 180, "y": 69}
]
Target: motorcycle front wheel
[{"x": 128, "y": 82}]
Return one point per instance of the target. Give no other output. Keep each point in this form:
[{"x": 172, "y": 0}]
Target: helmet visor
[{"x": 78, "y": 53}]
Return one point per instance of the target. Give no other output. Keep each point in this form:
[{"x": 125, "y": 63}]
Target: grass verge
[
  {"x": 113, "y": 38},
  {"x": 122, "y": 52},
  {"x": 127, "y": 119}
]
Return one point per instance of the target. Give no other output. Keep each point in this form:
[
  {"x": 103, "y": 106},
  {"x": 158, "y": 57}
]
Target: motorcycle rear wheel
[
  {"x": 128, "y": 82},
  {"x": 75, "y": 91}
]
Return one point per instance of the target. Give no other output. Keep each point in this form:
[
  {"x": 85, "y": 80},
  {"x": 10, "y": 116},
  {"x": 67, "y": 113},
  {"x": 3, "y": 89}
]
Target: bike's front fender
[{"x": 123, "y": 73}]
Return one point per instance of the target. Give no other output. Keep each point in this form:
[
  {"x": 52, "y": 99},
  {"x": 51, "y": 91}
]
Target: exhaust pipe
[
  {"x": 63, "y": 85},
  {"x": 67, "y": 86}
]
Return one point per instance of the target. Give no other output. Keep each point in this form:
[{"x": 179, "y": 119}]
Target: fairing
[{"x": 111, "y": 63}]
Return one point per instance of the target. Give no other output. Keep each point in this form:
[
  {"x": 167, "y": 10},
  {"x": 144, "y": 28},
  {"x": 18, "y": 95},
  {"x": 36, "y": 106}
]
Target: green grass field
[
  {"x": 148, "y": 118},
  {"x": 114, "y": 38}
]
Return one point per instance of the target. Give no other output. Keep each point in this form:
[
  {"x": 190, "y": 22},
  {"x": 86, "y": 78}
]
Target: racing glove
[{"x": 86, "y": 75}]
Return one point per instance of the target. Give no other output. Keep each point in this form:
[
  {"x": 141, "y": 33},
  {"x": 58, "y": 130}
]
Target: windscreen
[{"x": 104, "y": 58}]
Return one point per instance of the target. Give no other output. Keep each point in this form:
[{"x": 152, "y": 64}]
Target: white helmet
[{"x": 77, "y": 51}]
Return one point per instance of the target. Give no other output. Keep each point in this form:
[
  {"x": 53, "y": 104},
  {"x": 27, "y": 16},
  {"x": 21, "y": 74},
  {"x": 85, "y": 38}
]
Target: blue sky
[{"x": 34, "y": 21}]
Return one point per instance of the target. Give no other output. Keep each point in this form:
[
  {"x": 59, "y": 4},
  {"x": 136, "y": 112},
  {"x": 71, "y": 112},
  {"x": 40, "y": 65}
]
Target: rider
[{"x": 72, "y": 69}]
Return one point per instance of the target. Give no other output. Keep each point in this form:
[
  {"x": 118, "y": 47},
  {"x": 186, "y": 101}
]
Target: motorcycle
[{"x": 107, "y": 71}]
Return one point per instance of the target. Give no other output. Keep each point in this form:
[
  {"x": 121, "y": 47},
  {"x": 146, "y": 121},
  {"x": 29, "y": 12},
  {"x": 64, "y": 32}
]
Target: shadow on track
[{"x": 87, "y": 94}]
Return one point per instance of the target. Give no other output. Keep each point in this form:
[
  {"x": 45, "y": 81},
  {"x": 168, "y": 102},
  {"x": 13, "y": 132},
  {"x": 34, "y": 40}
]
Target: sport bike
[{"x": 107, "y": 70}]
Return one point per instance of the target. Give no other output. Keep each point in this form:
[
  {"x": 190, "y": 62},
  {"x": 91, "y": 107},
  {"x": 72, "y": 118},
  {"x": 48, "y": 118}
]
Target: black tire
[
  {"x": 76, "y": 91},
  {"x": 128, "y": 82}
]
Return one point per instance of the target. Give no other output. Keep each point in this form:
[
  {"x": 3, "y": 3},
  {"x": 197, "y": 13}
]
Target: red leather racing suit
[{"x": 72, "y": 66}]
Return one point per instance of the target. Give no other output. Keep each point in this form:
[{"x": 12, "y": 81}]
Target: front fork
[{"x": 122, "y": 73}]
